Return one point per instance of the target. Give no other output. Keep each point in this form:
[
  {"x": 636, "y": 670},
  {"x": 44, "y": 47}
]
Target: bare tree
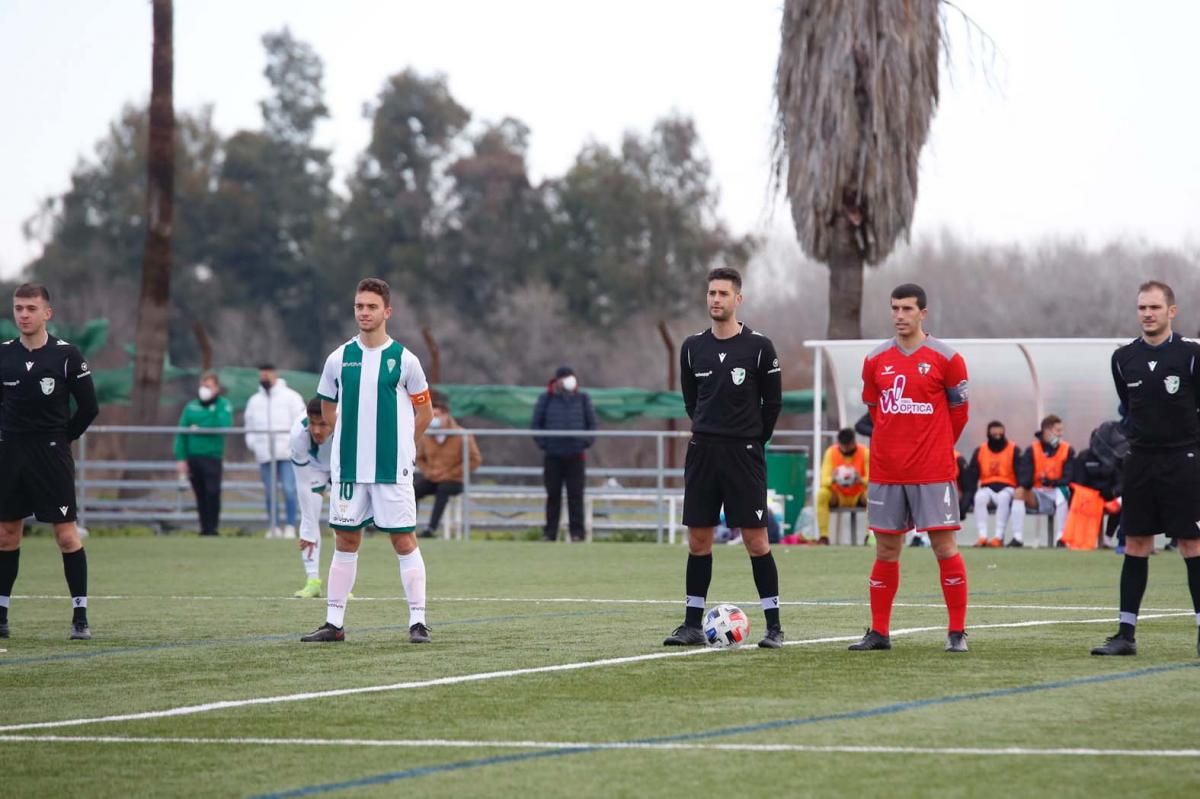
[
  {"x": 856, "y": 86},
  {"x": 151, "y": 335}
]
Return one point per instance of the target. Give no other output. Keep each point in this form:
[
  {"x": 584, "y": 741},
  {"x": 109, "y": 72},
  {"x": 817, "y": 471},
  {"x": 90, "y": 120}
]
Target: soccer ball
[
  {"x": 726, "y": 626},
  {"x": 845, "y": 476}
]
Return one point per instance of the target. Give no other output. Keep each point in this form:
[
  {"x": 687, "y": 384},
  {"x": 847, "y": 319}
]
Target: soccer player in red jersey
[{"x": 916, "y": 389}]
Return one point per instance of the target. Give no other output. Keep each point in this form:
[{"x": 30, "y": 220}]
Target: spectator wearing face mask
[
  {"x": 1043, "y": 479},
  {"x": 994, "y": 465},
  {"x": 199, "y": 457},
  {"x": 564, "y": 407},
  {"x": 270, "y": 413},
  {"x": 440, "y": 462}
]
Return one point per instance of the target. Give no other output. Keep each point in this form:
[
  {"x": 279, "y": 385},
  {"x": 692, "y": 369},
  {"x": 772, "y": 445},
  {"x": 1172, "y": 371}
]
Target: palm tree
[
  {"x": 151, "y": 335},
  {"x": 855, "y": 87}
]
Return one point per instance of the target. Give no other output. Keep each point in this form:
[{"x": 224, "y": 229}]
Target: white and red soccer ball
[{"x": 726, "y": 626}]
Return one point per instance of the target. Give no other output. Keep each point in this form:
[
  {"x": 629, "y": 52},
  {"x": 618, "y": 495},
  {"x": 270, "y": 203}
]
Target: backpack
[{"x": 1109, "y": 445}]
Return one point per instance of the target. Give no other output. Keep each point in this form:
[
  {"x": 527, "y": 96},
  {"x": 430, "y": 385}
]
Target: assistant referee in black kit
[
  {"x": 39, "y": 375},
  {"x": 732, "y": 391},
  {"x": 1157, "y": 378}
]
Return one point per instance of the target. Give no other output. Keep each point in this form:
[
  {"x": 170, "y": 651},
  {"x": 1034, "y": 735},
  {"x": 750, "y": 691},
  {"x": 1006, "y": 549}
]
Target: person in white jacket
[{"x": 269, "y": 416}]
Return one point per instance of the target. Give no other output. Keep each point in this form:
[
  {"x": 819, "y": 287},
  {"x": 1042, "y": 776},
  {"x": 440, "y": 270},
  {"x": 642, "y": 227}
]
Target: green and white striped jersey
[{"x": 373, "y": 437}]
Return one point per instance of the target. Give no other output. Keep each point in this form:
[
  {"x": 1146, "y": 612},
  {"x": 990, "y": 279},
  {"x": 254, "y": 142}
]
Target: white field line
[
  {"x": 208, "y": 707},
  {"x": 598, "y": 601},
  {"x": 441, "y": 743}
]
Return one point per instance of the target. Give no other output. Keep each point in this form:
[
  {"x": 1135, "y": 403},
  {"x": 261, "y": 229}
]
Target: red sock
[
  {"x": 885, "y": 580},
  {"x": 954, "y": 589}
]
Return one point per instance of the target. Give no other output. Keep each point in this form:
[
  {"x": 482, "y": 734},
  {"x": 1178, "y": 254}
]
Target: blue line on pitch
[
  {"x": 724, "y": 732},
  {"x": 256, "y": 639}
]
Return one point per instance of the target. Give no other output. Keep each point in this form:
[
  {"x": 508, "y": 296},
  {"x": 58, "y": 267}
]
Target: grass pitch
[{"x": 547, "y": 677}]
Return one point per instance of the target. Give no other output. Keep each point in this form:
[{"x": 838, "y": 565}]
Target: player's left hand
[{"x": 306, "y": 546}]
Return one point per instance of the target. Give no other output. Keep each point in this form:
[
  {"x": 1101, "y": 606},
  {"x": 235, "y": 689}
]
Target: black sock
[
  {"x": 1193, "y": 570},
  {"x": 699, "y": 575},
  {"x": 766, "y": 580},
  {"x": 75, "y": 569},
  {"x": 1135, "y": 574},
  {"x": 9, "y": 561}
]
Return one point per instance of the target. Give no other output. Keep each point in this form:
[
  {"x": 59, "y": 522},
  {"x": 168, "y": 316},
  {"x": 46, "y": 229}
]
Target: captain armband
[
  {"x": 957, "y": 395},
  {"x": 420, "y": 399}
]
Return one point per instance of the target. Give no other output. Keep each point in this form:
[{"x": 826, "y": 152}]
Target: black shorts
[
  {"x": 37, "y": 476},
  {"x": 729, "y": 472},
  {"x": 1162, "y": 493}
]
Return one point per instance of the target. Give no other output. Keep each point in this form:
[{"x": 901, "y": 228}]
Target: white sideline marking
[
  {"x": 441, "y": 743},
  {"x": 188, "y": 710},
  {"x": 602, "y": 601}
]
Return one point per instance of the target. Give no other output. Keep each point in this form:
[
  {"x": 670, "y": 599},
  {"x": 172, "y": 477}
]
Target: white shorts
[{"x": 390, "y": 507}]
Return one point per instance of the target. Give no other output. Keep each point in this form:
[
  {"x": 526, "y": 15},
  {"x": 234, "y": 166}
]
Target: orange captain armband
[{"x": 420, "y": 399}]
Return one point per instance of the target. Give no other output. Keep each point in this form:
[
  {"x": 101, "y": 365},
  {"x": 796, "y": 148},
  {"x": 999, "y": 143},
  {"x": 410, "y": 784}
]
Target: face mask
[
  {"x": 569, "y": 383},
  {"x": 1052, "y": 441},
  {"x": 996, "y": 444},
  {"x": 205, "y": 393},
  {"x": 435, "y": 422}
]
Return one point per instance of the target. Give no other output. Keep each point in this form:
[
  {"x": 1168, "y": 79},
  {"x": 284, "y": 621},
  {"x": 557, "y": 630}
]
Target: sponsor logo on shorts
[
  {"x": 892, "y": 400},
  {"x": 758, "y": 513},
  {"x": 63, "y": 509}
]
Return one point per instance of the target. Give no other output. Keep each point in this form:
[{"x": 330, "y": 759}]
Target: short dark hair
[
  {"x": 314, "y": 408},
  {"x": 27, "y": 291},
  {"x": 906, "y": 290},
  {"x": 726, "y": 273},
  {"x": 845, "y": 436},
  {"x": 1050, "y": 421},
  {"x": 376, "y": 286},
  {"x": 266, "y": 366},
  {"x": 1151, "y": 285},
  {"x": 995, "y": 423},
  {"x": 437, "y": 399}
]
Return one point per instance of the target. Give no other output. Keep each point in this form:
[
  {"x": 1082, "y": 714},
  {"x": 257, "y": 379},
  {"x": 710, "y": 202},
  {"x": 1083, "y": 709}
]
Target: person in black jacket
[
  {"x": 564, "y": 407},
  {"x": 1157, "y": 378},
  {"x": 39, "y": 376}
]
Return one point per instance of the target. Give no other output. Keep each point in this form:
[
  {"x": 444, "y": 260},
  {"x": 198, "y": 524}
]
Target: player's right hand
[
  {"x": 182, "y": 468},
  {"x": 306, "y": 546}
]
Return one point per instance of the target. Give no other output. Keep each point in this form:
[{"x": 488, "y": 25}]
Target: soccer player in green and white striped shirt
[
  {"x": 311, "y": 443},
  {"x": 375, "y": 393}
]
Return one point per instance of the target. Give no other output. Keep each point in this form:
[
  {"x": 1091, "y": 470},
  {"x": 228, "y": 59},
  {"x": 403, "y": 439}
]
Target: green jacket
[{"x": 219, "y": 413}]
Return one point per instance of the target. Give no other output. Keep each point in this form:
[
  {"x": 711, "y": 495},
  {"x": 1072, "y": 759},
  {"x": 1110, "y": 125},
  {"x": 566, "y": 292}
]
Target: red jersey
[{"x": 918, "y": 405}]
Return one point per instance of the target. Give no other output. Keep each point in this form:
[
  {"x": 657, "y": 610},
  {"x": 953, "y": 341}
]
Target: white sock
[
  {"x": 311, "y": 560},
  {"x": 412, "y": 577},
  {"x": 1018, "y": 519},
  {"x": 981, "y": 514},
  {"x": 342, "y": 572},
  {"x": 1060, "y": 515},
  {"x": 1003, "y": 509}
]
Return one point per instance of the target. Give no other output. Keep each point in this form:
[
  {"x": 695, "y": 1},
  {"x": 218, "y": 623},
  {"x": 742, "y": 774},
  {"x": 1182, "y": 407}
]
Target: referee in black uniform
[
  {"x": 732, "y": 391},
  {"x": 1158, "y": 381},
  {"x": 39, "y": 375}
]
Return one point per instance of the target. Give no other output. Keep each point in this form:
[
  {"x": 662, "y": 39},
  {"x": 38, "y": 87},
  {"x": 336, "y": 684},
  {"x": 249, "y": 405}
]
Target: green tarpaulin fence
[{"x": 508, "y": 405}]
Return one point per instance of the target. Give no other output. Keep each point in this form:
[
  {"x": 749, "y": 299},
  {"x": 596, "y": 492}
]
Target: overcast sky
[{"x": 1083, "y": 122}]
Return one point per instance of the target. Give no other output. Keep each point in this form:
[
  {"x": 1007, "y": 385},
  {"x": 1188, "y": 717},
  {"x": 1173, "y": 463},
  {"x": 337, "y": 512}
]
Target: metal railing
[{"x": 663, "y": 497}]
